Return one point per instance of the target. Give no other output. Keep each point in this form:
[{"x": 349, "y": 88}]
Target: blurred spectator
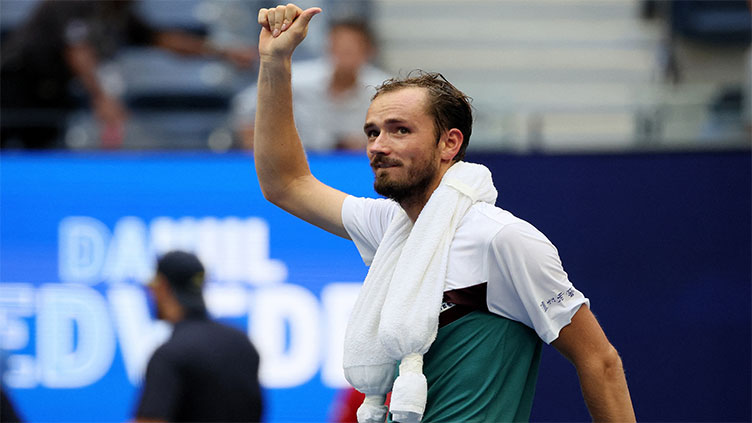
[
  {"x": 726, "y": 116},
  {"x": 206, "y": 371},
  {"x": 331, "y": 94},
  {"x": 722, "y": 22},
  {"x": 8, "y": 412},
  {"x": 747, "y": 108},
  {"x": 65, "y": 40}
]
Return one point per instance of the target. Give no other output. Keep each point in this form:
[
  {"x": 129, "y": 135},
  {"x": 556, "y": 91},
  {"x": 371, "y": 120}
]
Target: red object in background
[
  {"x": 112, "y": 136},
  {"x": 347, "y": 403}
]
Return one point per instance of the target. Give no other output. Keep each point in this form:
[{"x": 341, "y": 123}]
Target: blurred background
[{"x": 620, "y": 128}]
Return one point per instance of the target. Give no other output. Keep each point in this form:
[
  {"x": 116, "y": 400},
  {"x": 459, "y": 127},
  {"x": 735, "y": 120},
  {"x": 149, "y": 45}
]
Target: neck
[
  {"x": 414, "y": 205},
  {"x": 174, "y": 314}
]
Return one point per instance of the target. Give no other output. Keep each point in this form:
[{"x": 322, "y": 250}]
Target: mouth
[{"x": 383, "y": 164}]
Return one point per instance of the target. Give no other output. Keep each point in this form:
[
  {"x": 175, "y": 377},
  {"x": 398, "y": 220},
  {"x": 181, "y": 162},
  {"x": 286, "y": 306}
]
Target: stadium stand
[{"x": 545, "y": 75}]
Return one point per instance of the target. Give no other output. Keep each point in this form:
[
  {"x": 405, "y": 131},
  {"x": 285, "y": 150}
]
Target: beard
[{"x": 413, "y": 187}]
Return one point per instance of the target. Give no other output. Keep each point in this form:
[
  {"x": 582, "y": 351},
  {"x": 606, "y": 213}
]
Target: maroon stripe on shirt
[{"x": 462, "y": 301}]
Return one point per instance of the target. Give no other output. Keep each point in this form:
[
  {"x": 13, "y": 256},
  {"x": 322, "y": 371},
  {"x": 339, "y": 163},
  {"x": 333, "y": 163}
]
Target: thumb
[{"x": 307, "y": 15}]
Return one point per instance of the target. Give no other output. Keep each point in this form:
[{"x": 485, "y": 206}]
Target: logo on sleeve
[{"x": 558, "y": 298}]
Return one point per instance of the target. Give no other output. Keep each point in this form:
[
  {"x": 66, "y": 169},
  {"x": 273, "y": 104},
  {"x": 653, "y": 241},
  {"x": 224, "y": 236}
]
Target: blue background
[{"x": 660, "y": 243}]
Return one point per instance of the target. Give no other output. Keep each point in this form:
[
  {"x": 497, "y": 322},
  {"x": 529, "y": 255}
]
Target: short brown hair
[{"x": 449, "y": 106}]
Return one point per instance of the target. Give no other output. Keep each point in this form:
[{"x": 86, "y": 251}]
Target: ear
[
  {"x": 161, "y": 287},
  {"x": 453, "y": 139}
]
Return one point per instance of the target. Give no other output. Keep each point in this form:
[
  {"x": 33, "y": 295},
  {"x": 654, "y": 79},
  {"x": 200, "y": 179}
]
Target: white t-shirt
[{"x": 524, "y": 277}]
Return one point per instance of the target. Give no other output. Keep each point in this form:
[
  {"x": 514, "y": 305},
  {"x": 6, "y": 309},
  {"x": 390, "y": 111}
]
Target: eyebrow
[{"x": 391, "y": 121}]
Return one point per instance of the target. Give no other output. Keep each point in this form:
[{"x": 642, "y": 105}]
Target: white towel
[{"x": 395, "y": 318}]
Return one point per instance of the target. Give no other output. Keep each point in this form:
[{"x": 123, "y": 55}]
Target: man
[
  {"x": 206, "y": 371},
  {"x": 66, "y": 40},
  {"x": 501, "y": 282},
  {"x": 331, "y": 92}
]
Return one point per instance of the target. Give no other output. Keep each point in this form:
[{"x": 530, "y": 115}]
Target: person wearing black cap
[{"x": 206, "y": 371}]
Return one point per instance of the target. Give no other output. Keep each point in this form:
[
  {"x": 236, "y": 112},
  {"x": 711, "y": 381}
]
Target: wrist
[{"x": 275, "y": 61}]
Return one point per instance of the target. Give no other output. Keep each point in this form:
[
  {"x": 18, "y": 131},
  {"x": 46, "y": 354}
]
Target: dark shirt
[
  {"x": 7, "y": 411},
  {"x": 206, "y": 371},
  {"x": 34, "y": 54}
]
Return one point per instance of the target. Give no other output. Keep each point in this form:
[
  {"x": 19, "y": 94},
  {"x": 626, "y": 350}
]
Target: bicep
[{"x": 315, "y": 202}]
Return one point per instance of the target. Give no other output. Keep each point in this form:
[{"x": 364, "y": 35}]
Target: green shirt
[{"x": 482, "y": 368}]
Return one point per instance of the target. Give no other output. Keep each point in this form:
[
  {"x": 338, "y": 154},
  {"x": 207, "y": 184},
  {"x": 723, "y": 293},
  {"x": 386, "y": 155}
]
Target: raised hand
[{"x": 282, "y": 30}]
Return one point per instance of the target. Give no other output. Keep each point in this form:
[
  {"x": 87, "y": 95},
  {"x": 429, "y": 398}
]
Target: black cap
[{"x": 185, "y": 275}]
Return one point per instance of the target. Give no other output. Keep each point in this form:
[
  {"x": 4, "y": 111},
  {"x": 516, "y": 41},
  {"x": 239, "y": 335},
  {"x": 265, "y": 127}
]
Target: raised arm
[
  {"x": 599, "y": 368},
  {"x": 111, "y": 113},
  {"x": 281, "y": 164},
  {"x": 185, "y": 43}
]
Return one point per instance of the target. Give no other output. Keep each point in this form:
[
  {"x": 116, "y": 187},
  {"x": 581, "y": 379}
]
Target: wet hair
[{"x": 449, "y": 106}]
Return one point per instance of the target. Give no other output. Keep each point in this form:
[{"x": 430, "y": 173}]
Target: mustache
[{"x": 381, "y": 160}]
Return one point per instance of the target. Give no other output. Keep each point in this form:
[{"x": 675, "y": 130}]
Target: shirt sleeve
[
  {"x": 161, "y": 388},
  {"x": 366, "y": 221},
  {"x": 529, "y": 270}
]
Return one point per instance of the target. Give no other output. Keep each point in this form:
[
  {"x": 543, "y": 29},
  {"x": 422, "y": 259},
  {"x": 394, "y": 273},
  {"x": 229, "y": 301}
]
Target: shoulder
[
  {"x": 362, "y": 212},
  {"x": 230, "y": 332},
  {"x": 508, "y": 227},
  {"x": 366, "y": 221},
  {"x": 369, "y": 207},
  {"x": 165, "y": 355},
  {"x": 501, "y": 233},
  {"x": 220, "y": 332},
  {"x": 486, "y": 221}
]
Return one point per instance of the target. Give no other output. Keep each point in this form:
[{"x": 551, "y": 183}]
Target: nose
[{"x": 379, "y": 145}]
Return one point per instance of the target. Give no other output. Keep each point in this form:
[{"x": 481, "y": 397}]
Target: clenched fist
[{"x": 282, "y": 30}]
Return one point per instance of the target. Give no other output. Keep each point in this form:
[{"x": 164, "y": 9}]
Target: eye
[
  {"x": 372, "y": 133},
  {"x": 403, "y": 130}
]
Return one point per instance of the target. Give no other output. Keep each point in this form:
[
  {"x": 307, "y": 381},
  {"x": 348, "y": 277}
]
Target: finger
[
  {"x": 262, "y": 18},
  {"x": 291, "y": 12},
  {"x": 279, "y": 17},
  {"x": 306, "y": 16},
  {"x": 271, "y": 17}
]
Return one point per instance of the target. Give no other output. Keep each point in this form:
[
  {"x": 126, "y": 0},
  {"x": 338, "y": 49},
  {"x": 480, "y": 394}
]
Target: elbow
[
  {"x": 605, "y": 363},
  {"x": 283, "y": 192},
  {"x": 609, "y": 364},
  {"x": 278, "y": 194},
  {"x": 604, "y": 387},
  {"x": 271, "y": 186},
  {"x": 271, "y": 195}
]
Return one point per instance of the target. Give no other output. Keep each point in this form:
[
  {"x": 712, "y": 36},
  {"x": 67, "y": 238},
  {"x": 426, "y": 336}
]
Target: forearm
[
  {"x": 599, "y": 367},
  {"x": 278, "y": 153},
  {"x": 183, "y": 43},
  {"x": 605, "y": 390},
  {"x": 83, "y": 62},
  {"x": 191, "y": 45}
]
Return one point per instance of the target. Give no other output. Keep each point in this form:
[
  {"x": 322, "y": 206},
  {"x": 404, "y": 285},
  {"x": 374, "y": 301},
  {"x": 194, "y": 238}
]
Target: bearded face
[
  {"x": 411, "y": 182},
  {"x": 403, "y": 146}
]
